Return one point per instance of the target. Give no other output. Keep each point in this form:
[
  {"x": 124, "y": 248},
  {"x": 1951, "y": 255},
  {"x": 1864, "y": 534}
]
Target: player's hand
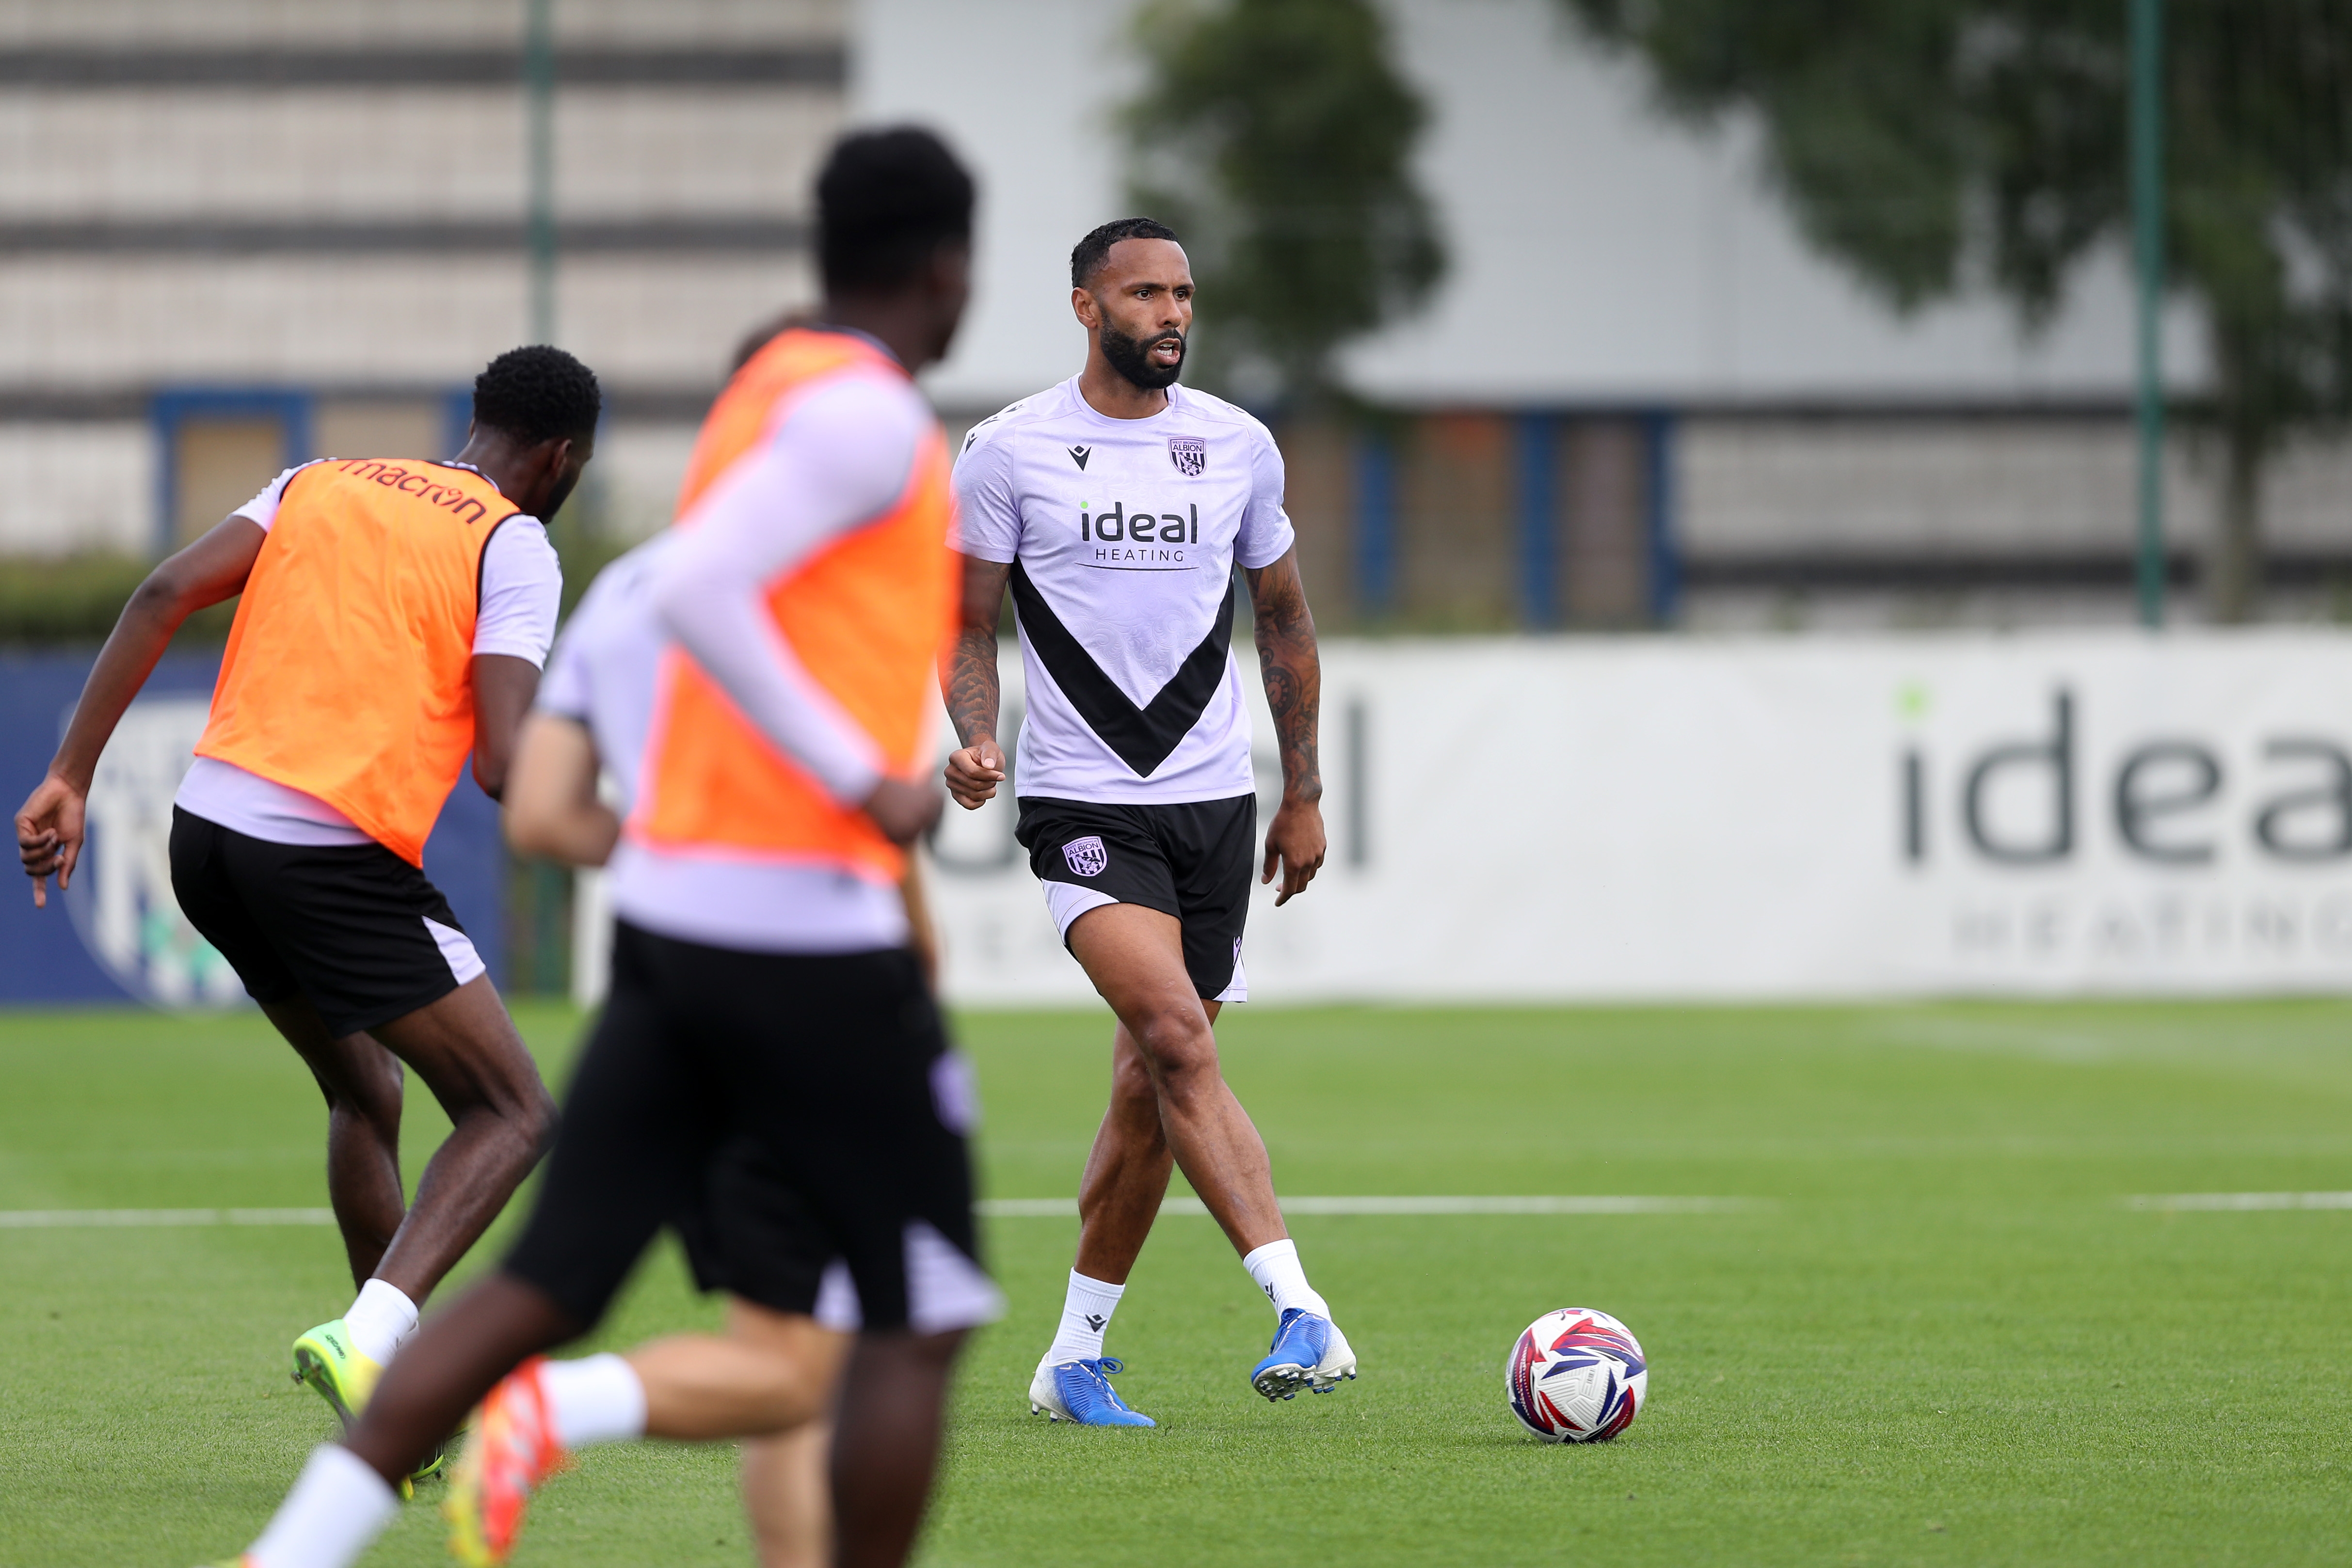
[
  {"x": 974, "y": 773},
  {"x": 49, "y": 834},
  {"x": 903, "y": 810},
  {"x": 1294, "y": 840}
]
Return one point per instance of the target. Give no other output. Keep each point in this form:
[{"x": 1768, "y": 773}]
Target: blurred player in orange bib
[{"x": 763, "y": 992}]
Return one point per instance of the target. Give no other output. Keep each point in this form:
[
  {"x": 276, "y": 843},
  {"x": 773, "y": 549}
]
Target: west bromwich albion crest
[
  {"x": 1189, "y": 454},
  {"x": 1086, "y": 856}
]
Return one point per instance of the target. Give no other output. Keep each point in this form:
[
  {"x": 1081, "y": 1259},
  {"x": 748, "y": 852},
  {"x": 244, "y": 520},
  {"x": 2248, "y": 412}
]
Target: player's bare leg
[
  {"x": 362, "y": 1082},
  {"x": 1127, "y": 1170},
  {"x": 1171, "y": 1105},
  {"x": 788, "y": 1496},
  {"x": 771, "y": 1376},
  {"x": 886, "y": 1442},
  {"x": 771, "y": 1372},
  {"x": 787, "y": 1481},
  {"x": 468, "y": 1053},
  {"x": 1135, "y": 956}
]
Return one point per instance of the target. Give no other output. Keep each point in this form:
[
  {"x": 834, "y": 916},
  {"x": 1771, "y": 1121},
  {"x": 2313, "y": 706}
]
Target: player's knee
[
  {"x": 786, "y": 1388},
  {"x": 523, "y": 1102},
  {"x": 527, "y": 1114},
  {"x": 1131, "y": 1077},
  {"x": 377, "y": 1103},
  {"x": 1180, "y": 1047},
  {"x": 539, "y": 1120}
]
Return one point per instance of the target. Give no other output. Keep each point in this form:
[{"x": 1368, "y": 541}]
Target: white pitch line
[
  {"x": 2241, "y": 1202},
  {"x": 93, "y": 1219},
  {"x": 1067, "y": 1208},
  {"x": 993, "y": 1208}
]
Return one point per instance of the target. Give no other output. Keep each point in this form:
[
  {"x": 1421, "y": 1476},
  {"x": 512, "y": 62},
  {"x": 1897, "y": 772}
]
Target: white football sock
[
  {"x": 337, "y": 1507},
  {"x": 1276, "y": 1270},
  {"x": 1085, "y": 1317},
  {"x": 597, "y": 1399},
  {"x": 380, "y": 1322}
]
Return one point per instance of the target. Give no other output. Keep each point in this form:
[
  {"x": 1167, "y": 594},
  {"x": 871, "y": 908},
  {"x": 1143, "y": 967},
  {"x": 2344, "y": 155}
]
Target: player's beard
[
  {"x": 560, "y": 494},
  {"x": 1130, "y": 356}
]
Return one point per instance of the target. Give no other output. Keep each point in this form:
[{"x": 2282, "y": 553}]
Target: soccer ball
[{"x": 1576, "y": 1376}]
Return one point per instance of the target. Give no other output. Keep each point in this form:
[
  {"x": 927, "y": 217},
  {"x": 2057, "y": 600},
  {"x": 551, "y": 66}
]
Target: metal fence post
[{"x": 2148, "y": 255}]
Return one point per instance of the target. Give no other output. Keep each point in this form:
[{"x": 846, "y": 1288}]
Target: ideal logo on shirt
[{"x": 1120, "y": 526}]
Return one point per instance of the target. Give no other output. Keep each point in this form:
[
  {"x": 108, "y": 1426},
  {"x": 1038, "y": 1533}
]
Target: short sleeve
[
  {"x": 1265, "y": 532},
  {"x": 263, "y": 508},
  {"x": 989, "y": 515},
  {"x": 522, "y": 589},
  {"x": 564, "y": 690}
]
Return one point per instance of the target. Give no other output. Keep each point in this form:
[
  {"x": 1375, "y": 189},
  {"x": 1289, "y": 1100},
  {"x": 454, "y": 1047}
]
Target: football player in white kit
[{"x": 1116, "y": 507}]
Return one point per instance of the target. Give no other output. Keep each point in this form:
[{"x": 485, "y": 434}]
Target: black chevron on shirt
[{"x": 1143, "y": 736}]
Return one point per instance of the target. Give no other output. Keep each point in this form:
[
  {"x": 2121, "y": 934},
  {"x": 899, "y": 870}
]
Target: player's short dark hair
[
  {"x": 1088, "y": 255},
  {"x": 886, "y": 202},
  {"x": 538, "y": 393}
]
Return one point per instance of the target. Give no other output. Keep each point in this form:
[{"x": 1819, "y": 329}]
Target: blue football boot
[
  {"x": 1080, "y": 1392},
  {"x": 1309, "y": 1353}
]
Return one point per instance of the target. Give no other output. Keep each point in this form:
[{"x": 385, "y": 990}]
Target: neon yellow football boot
[
  {"x": 437, "y": 1463},
  {"x": 345, "y": 1379},
  {"x": 324, "y": 1359}
]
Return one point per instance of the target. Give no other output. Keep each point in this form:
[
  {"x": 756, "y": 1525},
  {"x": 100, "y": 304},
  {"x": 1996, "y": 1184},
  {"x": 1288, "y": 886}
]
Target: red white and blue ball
[{"x": 1577, "y": 1376}]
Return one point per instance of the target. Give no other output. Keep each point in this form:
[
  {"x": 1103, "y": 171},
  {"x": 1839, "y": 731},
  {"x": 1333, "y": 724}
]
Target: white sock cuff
[
  {"x": 380, "y": 1320},
  {"x": 1107, "y": 1292},
  {"x": 336, "y": 1508},
  {"x": 1279, "y": 1273},
  {"x": 1258, "y": 1258},
  {"x": 597, "y": 1399},
  {"x": 1086, "y": 1307},
  {"x": 383, "y": 1295}
]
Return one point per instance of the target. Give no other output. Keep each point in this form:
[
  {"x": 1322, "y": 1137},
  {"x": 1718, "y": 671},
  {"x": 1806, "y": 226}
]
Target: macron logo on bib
[{"x": 1086, "y": 856}]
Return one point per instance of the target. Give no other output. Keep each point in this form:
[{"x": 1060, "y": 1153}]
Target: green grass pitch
[{"x": 1945, "y": 1339}]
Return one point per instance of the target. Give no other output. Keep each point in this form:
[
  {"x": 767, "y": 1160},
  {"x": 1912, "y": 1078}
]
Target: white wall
[
  {"x": 1598, "y": 253},
  {"x": 77, "y": 488}
]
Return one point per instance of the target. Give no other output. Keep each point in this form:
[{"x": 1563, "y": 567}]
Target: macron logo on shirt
[{"x": 1078, "y": 454}]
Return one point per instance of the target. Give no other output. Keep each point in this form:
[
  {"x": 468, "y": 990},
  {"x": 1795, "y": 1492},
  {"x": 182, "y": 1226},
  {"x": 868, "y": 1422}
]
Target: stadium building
[{"x": 249, "y": 231}]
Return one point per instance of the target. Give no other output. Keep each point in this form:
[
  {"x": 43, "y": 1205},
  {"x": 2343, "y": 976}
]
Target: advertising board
[
  {"x": 120, "y": 935},
  {"x": 1653, "y": 819}
]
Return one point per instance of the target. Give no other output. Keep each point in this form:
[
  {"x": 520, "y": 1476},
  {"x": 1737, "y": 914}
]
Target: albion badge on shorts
[
  {"x": 1188, "y": 453},
  {"x": 1086, "y": 856}
]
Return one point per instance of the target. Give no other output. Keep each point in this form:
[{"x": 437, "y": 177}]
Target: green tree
[
  {"x": 1928, "y": 144},
  {"x": 1276, "y": 138}
]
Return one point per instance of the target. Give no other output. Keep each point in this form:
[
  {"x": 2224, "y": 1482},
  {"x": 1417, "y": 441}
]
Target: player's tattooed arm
[
  {"x": 1294, "y": 691},
  {"x": 1293, "y": 673},
  {"x": 972, "y": 686}
]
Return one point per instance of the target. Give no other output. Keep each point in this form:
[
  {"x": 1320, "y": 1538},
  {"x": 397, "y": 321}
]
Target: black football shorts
[
  {"x": 753, "y": 1235},
  {"x": 778, "y": 1110},
  {"x": 1191, "y": 860},
  {"x": 363, "y": 934}
]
